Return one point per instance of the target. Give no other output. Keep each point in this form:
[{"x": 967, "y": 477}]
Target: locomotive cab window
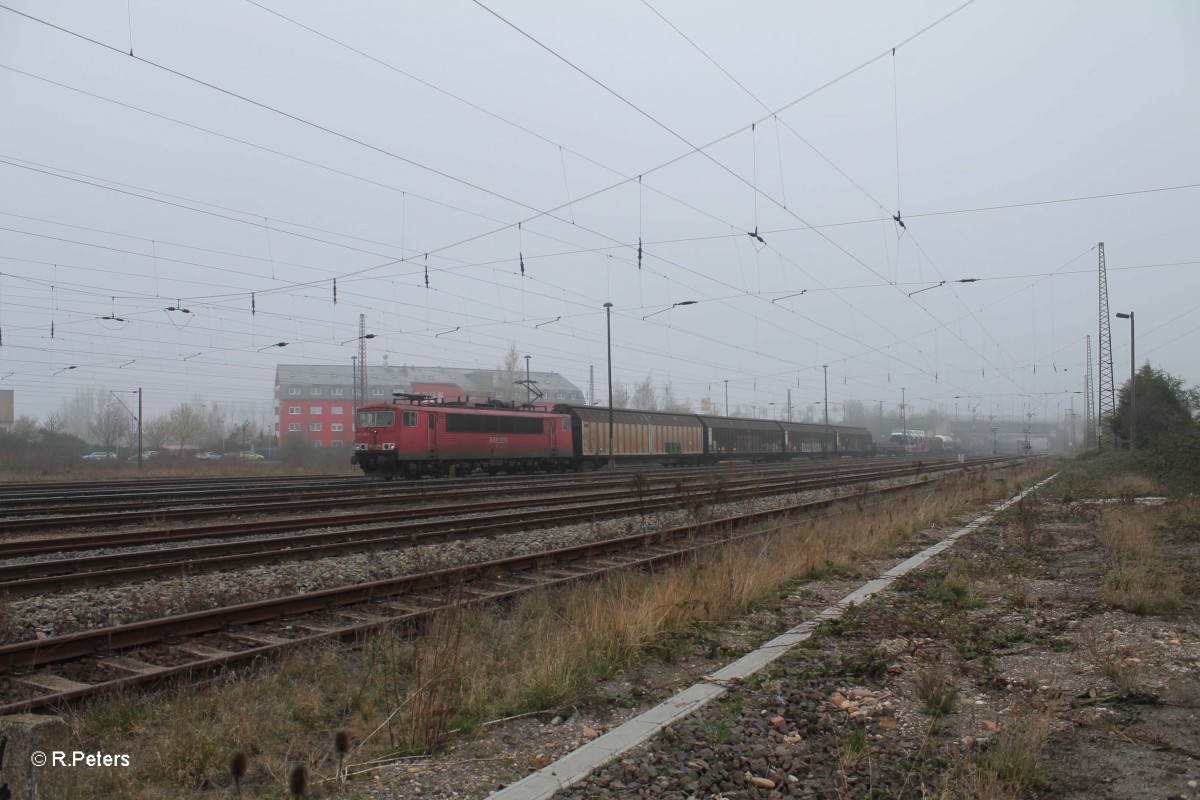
[
  {"x": 567, "y": 424},
  {"x": 409, "y": 419},
  {"x": 377, "y": 419}
]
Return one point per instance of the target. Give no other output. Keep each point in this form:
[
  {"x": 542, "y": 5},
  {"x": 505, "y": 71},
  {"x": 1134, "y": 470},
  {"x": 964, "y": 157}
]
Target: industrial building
[{"x": 317, "y": 402}]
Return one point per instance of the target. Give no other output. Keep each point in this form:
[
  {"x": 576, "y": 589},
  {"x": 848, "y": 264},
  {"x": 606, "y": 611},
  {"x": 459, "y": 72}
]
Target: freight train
[{"x": 413, "y": 437}]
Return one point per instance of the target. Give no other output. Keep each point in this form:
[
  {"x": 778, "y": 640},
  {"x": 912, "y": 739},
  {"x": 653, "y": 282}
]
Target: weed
[
  {"x": 856, "y": 742},
  {"x": 639, "y": 484},
  {"x": 718, "y": 727},
  {"x": 933, "y": 689},
  {"x": 869, "y": 663},
  {"x": 954, "y": 591},
  {"x": 1017, "y": 598},
  {"x": 1014, "y": 757}
]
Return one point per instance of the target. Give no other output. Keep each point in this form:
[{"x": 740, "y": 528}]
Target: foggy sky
[{"x": 384, "y": 144}]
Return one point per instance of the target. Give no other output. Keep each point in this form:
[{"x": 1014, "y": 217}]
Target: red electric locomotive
[{"x": 411, "y": 437}]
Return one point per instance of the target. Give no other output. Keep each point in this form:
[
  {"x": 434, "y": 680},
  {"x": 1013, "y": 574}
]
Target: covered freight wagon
[
  {"x": 636, "y": 435},
  {"x": 748, "y": 438},
  {"x": 805, "y": 438}
]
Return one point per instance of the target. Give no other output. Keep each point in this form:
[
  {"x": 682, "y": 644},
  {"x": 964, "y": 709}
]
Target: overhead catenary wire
[{"x": 639, "y": 237}]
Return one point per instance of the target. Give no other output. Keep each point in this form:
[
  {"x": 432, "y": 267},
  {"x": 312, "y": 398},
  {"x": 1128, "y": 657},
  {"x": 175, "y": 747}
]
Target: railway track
[
  {"x": 365, "y": 532},
  {"x": 57, "y": 669},
  {"x": 65, "y": 668},
  {"x": 16, "y": 490},
  {"x": 181, "y": 504}
]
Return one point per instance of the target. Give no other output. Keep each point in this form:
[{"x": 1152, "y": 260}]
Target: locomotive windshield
[{"x": 376, "y": 419}]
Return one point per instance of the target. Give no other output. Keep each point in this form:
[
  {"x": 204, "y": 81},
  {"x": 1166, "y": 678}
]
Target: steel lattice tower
[
  {"x": 1089, "y": 401},
  {"x": 1108, "y": 392}
]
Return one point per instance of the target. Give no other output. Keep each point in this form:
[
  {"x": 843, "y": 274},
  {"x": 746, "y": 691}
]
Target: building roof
[{"x": 475, "y": 381}]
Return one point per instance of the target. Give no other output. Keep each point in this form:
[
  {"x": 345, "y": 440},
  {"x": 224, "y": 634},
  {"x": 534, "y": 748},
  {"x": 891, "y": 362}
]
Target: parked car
[
  {"x": 250, "y": 457},
  {"x": 100, "y": 457},
  {"x": 146, "y": 456},
  {"x": 208, "y": 456}
]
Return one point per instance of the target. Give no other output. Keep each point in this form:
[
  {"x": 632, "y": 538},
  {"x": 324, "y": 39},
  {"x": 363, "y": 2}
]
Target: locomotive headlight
[
  {"x": 358, "y": 446},
  {"x": 389, "y": 445}
]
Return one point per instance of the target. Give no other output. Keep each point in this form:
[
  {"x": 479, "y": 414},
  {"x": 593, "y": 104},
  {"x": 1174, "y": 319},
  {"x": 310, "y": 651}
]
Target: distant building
[
  {"x": 7, "y": 410},
  {"x": 317, "y": 402}
]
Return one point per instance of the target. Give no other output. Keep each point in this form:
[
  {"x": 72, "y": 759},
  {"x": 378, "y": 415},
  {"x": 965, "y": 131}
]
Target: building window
[
  {"x": 293, "y": 390},
  {"x": 336, "y": 391},
  {"x": 293, "y": 426},
  {"x": 316, "y": 442},
  {"x": 336, "y": 443},
  {"x": 314, "y": 409},
  {"x": 377, "y": 391},
  {"x": 335, "y": 410},
  {"x": 293, "y": 409},
  {"x": 337, "y": 426},
  {"x": 316, "y": 391},
  {"x": 314, "y": 426}
]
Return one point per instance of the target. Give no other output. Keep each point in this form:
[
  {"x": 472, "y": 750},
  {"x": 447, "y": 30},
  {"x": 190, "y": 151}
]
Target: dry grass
[
  {"x": 1011, "y": 766},
  {"x": 1129, "y": 532},
  {"x": 1139, "y": 580},
  {"x": 395, "y": 696},
  {"x": 1127, "y": 487},
  {"x": 1014, "y": 757}
]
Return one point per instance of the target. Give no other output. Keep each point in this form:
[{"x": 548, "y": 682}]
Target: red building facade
[{"x": 316, "y": 403}]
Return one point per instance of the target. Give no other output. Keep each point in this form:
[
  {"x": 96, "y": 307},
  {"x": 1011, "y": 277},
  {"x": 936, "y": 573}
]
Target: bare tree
[
  {"x": 131, "y": 435},
  {"x": 673, "y": 404},
  {"x": 56, "y": 422},
  {"x": 215, "y": 424},
  {"x": 620, "y": 398},
  {"x": 80, "y": 412},
  {"x": 110, "y": 425},
  {"x": 156, "y": 432},
  {"x": 855, "y": 413},
  {"x": 242, "y": 434},
  {"x": 508, "y": 374},
  {"x": 644, "y": 396},
  {"x": 187, "y": 425},
  {"x": 25, "y": 429}
]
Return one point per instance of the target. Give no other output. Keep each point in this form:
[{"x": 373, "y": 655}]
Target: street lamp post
[
  {"x": 727, "y": 397},
  {"x": 903, "y": 420},
  {"x": 1132, "y": 385},
  {"x": 825, "y": 367},
  {"x": 612, "y": 465}
]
